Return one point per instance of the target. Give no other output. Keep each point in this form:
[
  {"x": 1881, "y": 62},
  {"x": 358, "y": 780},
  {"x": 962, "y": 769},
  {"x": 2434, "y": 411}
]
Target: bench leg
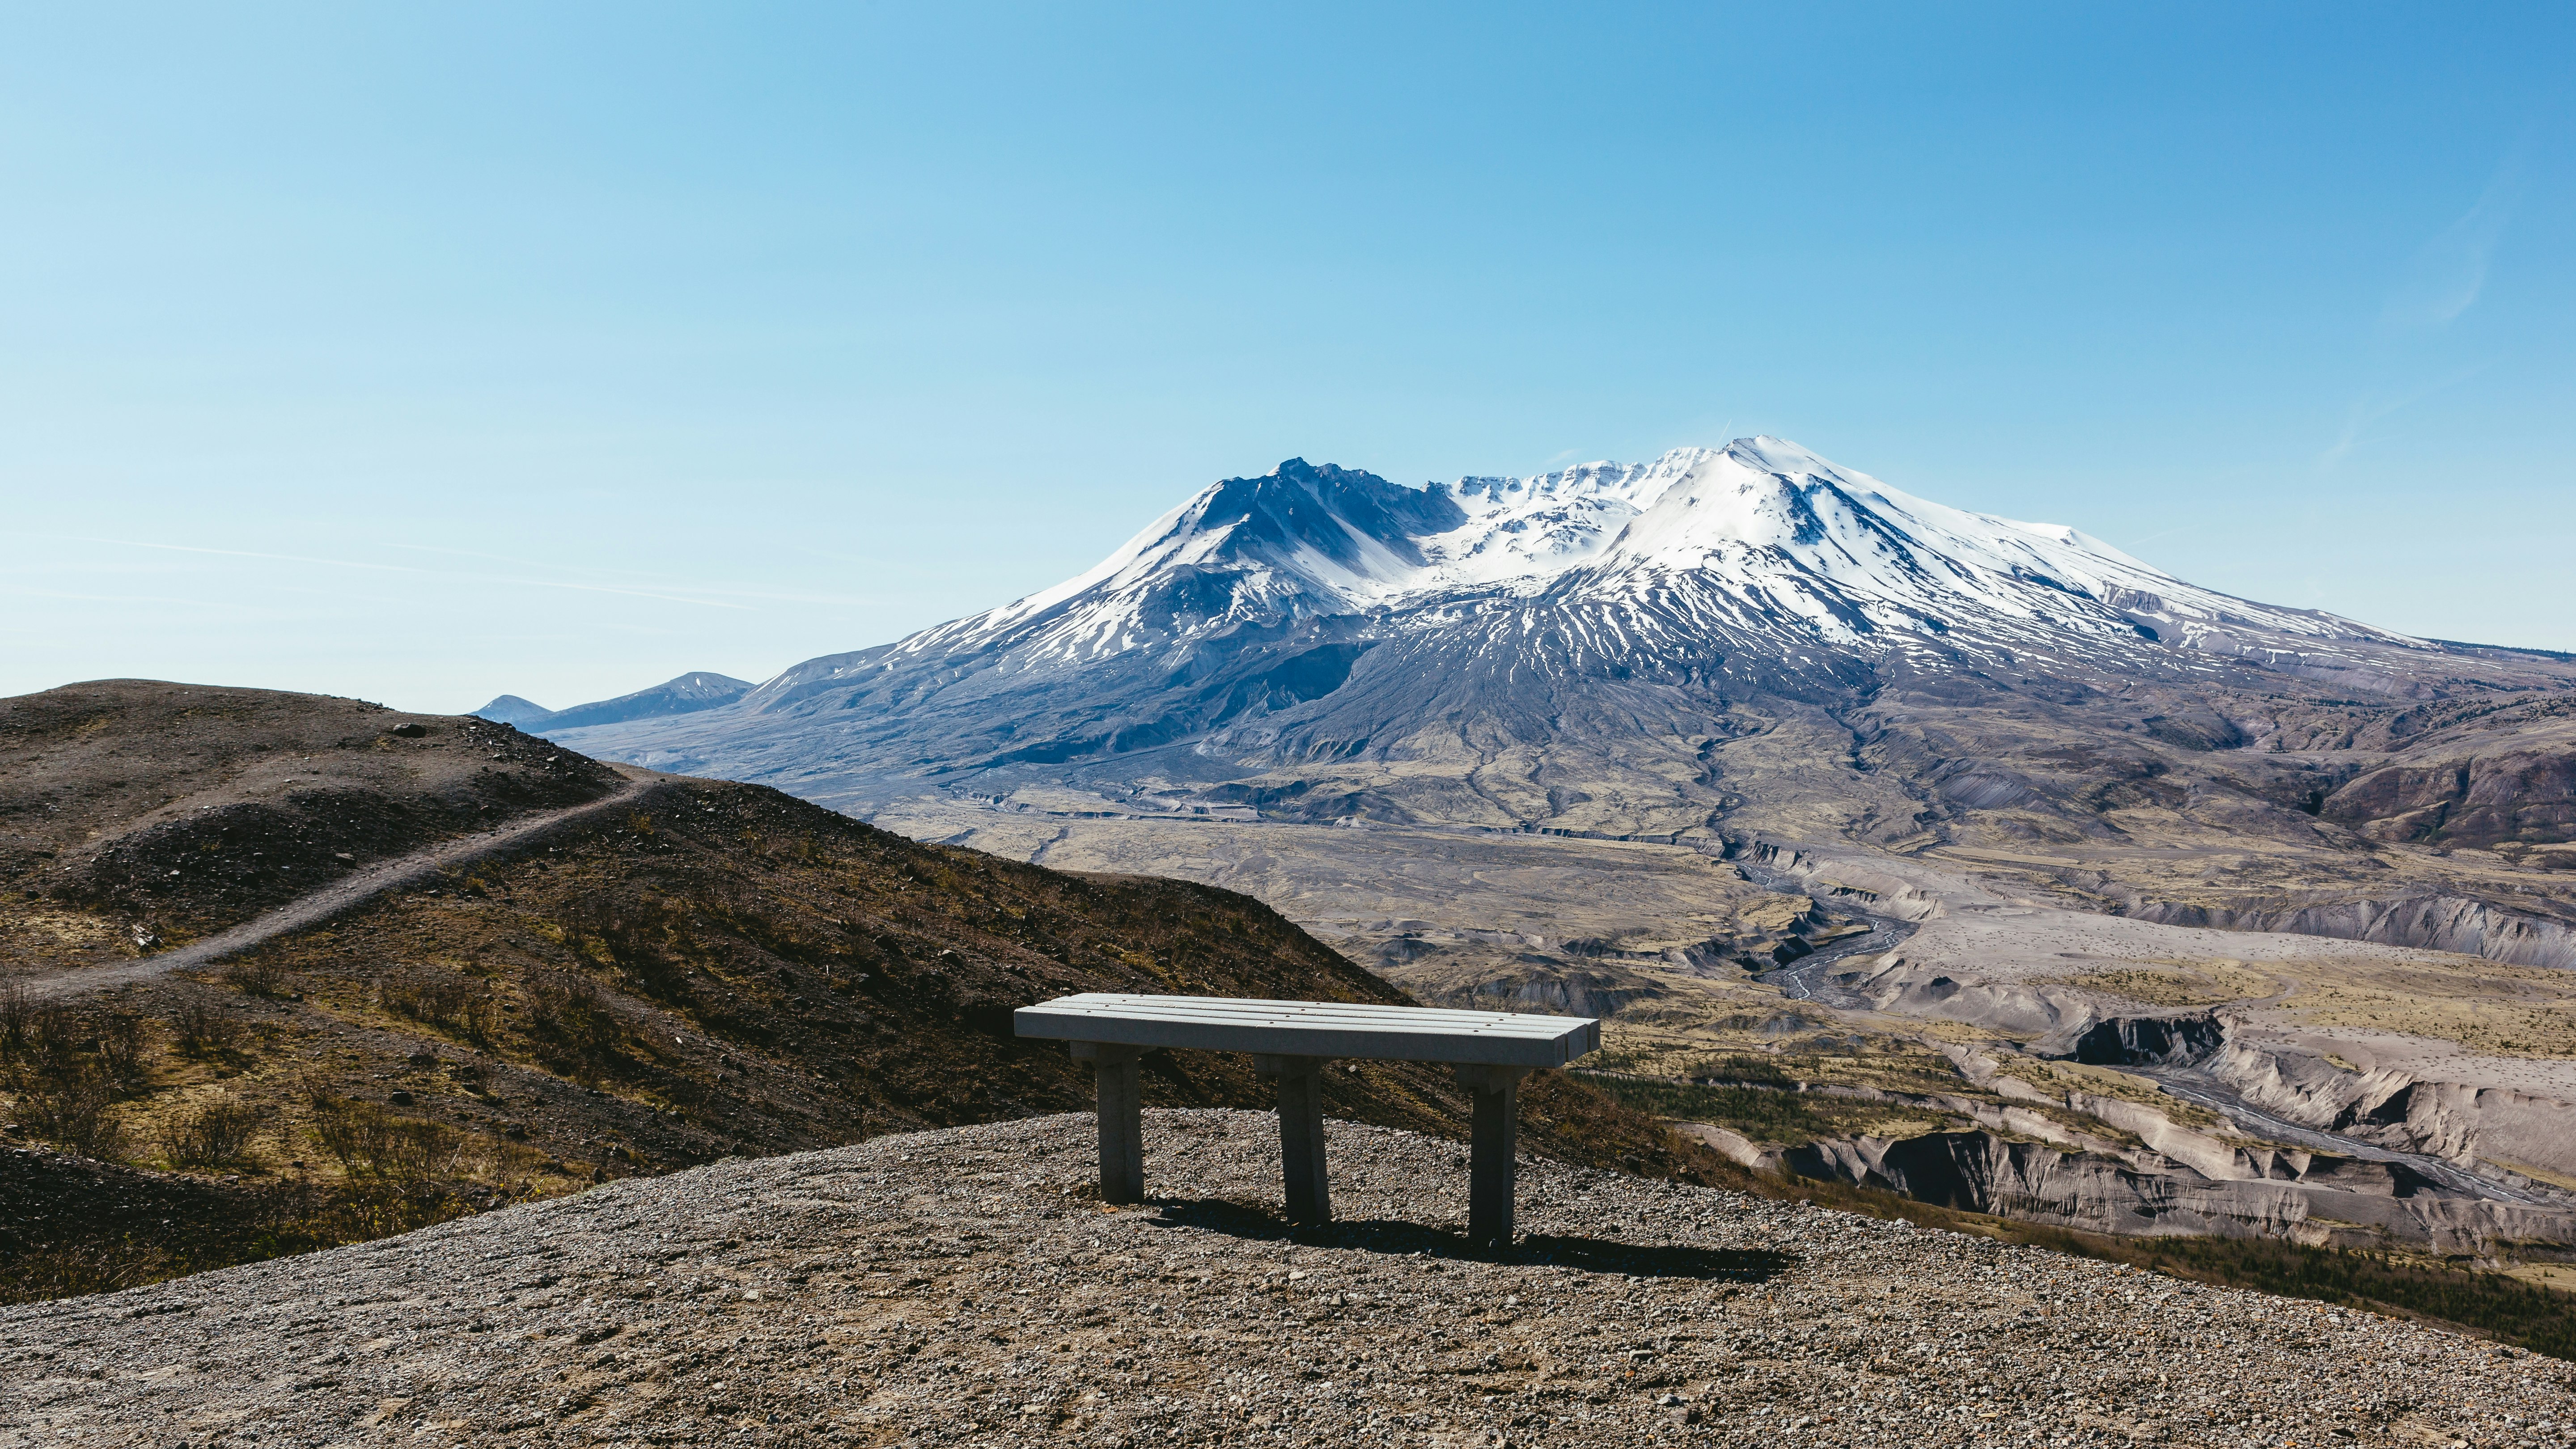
[
  {"x": 1301, "y": 1135},
  {"x": 1122, "y": 1120},
  {"x": 1494, "y": 1145}
]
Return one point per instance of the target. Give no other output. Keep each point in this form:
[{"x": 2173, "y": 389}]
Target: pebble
[{"x": 965, "y": 1287}]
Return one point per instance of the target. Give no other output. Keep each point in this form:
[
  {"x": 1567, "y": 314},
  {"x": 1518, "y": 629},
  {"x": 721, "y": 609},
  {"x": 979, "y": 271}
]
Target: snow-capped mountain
[
  {"x": 1760, "y": 539},
  {"x": 1316, "y": 612}
]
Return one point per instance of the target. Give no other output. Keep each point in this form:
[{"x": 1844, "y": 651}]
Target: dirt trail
[{"x": 334, "y": 898}]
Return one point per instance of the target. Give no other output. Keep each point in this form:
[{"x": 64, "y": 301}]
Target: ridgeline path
[{"x": 332, "y": 899}]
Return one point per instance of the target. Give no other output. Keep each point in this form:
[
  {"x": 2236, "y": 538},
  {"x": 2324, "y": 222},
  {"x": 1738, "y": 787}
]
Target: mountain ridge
[
  {"x": 1318, "y": 613},
  {"x": 685, "y": 694},
  {"x": 2021, "y": 704}
]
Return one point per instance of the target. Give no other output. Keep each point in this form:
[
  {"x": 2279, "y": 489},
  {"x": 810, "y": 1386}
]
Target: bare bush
[
  {"x": 343, "y": 1126},
  {"x": 53, "y": 1039},
  {"x": 414, "y": 1148},
  {"x": 218, "y": 1134},
  {"x": 73, "y": 1111},
  {"x": 574, "y": 1021},
  {"x": 368, "y": 1140},
  {"x": 204, "y": 1030},
  {"x": 258, "y": 976},
  {"x": 16, "y": 1012},
  {"x": 444, "y": 1000},
  {"x": 40, "y": 1036},
  {"x": 124, "y": 1051}
]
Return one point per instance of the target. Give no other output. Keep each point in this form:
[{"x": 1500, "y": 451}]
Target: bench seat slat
[
  {"x": 1313, "y": 1028},
  {"x": 1427, "y": 1017},
  {"x": 1544, "y": 1027}
]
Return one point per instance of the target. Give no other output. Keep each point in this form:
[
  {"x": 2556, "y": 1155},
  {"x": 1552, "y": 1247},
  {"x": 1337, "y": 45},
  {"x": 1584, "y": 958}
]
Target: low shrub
[
  {"x": 53, "y": 1039},
  {"x": 444, "y": 1000},
  {"x": 218, "y": 1134},
  {"x": 258, "y": 977},
  {"x": 48, "y": 1041},
  {"x": 576, "y": 1028},
  {"x": 74, "y": 1111},
  {"x": 205, "y": 1030},
  {"x": 368, "y": 1140},
  {"x": 125, "y": 1051},
  {"x": 15, "y": 1014}
]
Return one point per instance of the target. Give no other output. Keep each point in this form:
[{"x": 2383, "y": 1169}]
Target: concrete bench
[{"x": 1291, "y": 1041}]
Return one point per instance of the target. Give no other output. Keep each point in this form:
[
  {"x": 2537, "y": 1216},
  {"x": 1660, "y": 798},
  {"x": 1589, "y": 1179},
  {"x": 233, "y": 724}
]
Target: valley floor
[
  {"x": 2338, "y": 1091},
  {"x": 962, "y": 1286}
]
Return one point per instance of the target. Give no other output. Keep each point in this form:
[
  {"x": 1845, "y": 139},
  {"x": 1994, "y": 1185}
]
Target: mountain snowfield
[
  {"x": 1757, "y": 543},
  {"x": 1626, "y": 613},
  {"x": 1765, "y": 515}
]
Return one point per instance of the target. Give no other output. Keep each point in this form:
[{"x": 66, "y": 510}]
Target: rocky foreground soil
[{"x": 964, "y": 1286}]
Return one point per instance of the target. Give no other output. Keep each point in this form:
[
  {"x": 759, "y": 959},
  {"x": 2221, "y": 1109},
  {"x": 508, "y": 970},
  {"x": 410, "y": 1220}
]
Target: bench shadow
[{"x": 1397, "y": 1237}]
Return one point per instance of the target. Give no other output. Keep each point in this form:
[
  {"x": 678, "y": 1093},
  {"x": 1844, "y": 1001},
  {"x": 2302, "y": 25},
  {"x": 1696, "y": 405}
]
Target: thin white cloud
[
  {"x": 2367, "y": 410},
  {"x": 2443, "y": 280},
  {"x": 2449, "y": 273}
]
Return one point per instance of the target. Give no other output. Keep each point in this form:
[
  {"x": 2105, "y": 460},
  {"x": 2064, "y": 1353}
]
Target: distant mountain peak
[
  {"x": 687, "y": 694},
  {"x": 1761, "y": 527},
  {"x": 1316, "y": 612},
  {"x": 510, "y": 709}
]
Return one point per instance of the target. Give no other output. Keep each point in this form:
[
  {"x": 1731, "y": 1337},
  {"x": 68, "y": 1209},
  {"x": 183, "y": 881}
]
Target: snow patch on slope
[
  {"x": 1763, "y": 512},
  {"x": 1760, "y": 544}
]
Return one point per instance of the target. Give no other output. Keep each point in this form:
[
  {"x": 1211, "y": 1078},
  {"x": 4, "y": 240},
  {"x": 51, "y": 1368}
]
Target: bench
[{"x": 1291, "y": 1041}]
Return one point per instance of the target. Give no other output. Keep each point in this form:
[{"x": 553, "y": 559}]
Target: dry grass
[
  {"x": 217, "y": 1134},
  {"x": 76, "y": 1110},
  {"x": 458, "y": 1005},
  {"x": 46, "y": 936},
  {"x": 2498, "y": 1010},
  {"x": 2063, "y": 1077},
  {"x": 2200, "y": 983}
]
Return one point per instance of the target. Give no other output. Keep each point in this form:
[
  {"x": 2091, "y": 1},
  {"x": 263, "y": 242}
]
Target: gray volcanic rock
[
  {"x": 2309, "y": 1198},
  {"x": 2539, "y": 932},
  {"x": 959, "y": 1286}
]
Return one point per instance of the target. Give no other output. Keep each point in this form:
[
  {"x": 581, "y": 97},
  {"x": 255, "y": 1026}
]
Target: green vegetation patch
[
  {"x": 73, "y": 1225},
  {"x": 1765, "y": 1114},
  {"x": 2494, "y": 1305},
  {"x": 2540, "y": 1319}
]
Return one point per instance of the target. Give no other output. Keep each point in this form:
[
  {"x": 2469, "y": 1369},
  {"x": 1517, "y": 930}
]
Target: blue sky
[{"x": 424, "y": 353}]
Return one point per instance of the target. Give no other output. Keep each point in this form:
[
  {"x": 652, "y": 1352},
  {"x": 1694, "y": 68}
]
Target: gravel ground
[{"x": 965, "y": 1287}]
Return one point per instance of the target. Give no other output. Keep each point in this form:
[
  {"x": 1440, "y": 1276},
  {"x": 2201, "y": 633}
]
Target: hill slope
[
  {"x": 711, "y": 969},
  {"x": 174, "y": 810},
  {"x": 957, "y": 1285}
]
